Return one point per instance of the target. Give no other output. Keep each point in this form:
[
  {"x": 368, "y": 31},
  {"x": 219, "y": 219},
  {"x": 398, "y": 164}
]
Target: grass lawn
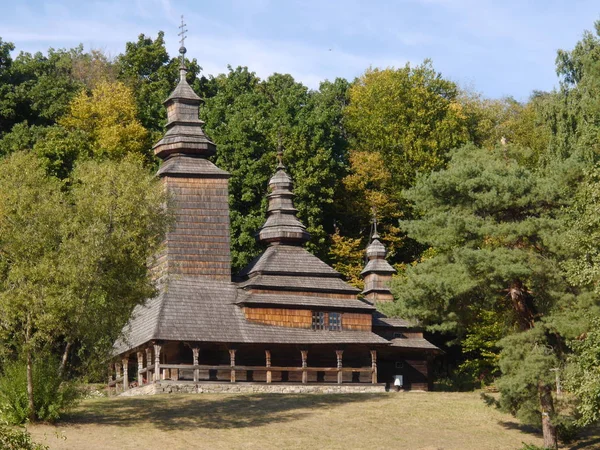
[{"x": 415, "y": 420}]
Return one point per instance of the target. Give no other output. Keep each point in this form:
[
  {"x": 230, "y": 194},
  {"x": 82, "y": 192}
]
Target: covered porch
[{"x": 244, "y": 363}]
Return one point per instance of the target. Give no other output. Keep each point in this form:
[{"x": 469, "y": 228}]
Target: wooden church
[{"x": 287, "y": 319}]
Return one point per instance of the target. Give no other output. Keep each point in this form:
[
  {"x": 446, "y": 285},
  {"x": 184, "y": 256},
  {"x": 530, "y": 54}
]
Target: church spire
[
  {"x": 282, "y": 226},
  {"x": 378, "y": 272},
  {"x": 184, "y": 134}
]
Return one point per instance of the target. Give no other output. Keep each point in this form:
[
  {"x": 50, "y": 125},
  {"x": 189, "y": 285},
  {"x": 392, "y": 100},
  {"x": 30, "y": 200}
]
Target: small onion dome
[
  {"x": 282, "y": 225},
  {"x": 376, "y": 254}
]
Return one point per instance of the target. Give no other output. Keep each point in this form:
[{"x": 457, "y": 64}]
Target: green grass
[{"x": 432, "y": 421}]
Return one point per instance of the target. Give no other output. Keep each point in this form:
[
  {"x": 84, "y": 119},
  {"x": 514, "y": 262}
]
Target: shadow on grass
[
  {"x": 589, "y": 439},
  {"x": 181, "y": 412},
  {"x": 529, "y": 429}
]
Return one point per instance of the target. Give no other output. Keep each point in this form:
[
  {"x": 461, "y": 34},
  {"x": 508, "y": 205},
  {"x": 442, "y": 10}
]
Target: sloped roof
[
  {"x": 293, "y": 268},
  {"x": 418, "y": 343},
  {"x": 190, "y": 166},
  {"x": 288, "y": 259},
  {"x": 253, "y": 299},
  {"x": 200, "y": 310},
  {"x": 381, "y": 320},
  {"x": 300, "y": 283}
]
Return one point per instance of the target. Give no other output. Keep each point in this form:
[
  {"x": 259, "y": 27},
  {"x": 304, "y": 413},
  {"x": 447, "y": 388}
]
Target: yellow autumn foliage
[{"x": 108, "y": 115}]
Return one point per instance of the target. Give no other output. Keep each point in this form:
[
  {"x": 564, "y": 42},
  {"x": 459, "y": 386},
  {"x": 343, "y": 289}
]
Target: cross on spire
[
  {"x": 182, "y": 49},
  {"x": 374, "y": 221},
  {"x": 280, "y": 152}
]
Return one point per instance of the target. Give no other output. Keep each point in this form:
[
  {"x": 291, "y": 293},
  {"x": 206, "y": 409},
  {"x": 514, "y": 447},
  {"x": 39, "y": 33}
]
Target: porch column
[
  {"x": 140, "y": 366},
  {"x": 148, "y": 364},
  {"x": 125, "y": 362},
  {"x": 339, "y": 354},
  {"x": 195, "y": 352},
  {"x": 304, "y": 354},
  {"x": 232, "y": 362},
  {"x": 117, "y": 376},
  {"x": 110, "y": 378},
  {"x": 268, "y": 364},
  {"x": 157, "y": 349},
  {"x": 374, "y": 366}
]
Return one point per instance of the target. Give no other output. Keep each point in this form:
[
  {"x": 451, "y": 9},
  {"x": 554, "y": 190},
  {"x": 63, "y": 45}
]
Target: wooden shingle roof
[
  {"x": 195, "y": 310},
  {"x": 303, "y": 301}
]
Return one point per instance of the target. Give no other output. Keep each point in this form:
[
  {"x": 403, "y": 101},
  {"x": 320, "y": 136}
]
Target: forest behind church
[{"x": 489, "y": 208}]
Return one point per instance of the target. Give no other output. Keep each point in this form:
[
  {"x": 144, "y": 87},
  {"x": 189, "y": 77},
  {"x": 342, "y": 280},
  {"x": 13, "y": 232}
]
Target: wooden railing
[{"x": 150, "y": 371}]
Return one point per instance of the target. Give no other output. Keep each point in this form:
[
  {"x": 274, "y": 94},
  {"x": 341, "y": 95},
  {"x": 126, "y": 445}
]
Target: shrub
[
  {"x": 52, "y": 396},
  {"x": 17, "y": 439}
]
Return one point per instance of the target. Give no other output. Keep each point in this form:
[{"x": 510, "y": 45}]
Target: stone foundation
[{"x": 172, "y": 387}]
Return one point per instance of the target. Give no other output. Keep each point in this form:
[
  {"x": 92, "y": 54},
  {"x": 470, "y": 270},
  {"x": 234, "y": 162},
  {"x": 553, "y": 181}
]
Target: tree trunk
[
  {"x": 521, "y": 302},
  {"x": 31, "y": 404},
  {"x": 547, "y": 404},
  {"x": 522, "y": 305},
  {"x": 63, "y": 360}
]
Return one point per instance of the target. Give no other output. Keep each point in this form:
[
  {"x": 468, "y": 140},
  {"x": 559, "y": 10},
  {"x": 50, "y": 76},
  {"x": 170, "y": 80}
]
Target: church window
[
  {"x": 318, "y": 320},
  {"x": 335, "y": 321}
]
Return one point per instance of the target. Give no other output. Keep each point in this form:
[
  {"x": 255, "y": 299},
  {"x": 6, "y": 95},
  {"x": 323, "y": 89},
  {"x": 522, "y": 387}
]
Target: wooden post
[
  {"x": 304, "y": 354},
  {"x": 125, "y": 362},
  {"x": 140, "y": 366},
  {"x": 268, "y": 364},
  {"x": 232, "y": 363},
  {"x": 110, "y": 378},
  {"x": 374, "y": 366},
  {"x": 157, "y": 349},
  {"x": 195, "y": 352},
  {"x": 339, "y": 354},
  {"x": 117, "y": 376},
  {"x": 148, "y": 364}
]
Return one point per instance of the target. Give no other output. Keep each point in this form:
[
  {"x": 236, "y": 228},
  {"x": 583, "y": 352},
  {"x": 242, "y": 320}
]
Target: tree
[
  {"x": 401, "y": 123},
  {"x": 32, "y": 209},
  {"x": 146, "y": 68},
  {"x": 249, "y": 119},
  {"x": 73, "y": 263},
  {"x": 37, "y": 88},
  {"x": 492, "y": 223},
  {"x": 583, "y": 376},
  {"x": 411, "y": 116},
  {"x": 108, "y": 116}
]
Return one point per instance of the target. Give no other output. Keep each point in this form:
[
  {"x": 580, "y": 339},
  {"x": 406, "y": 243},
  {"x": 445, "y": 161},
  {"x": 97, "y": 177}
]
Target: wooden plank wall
[
  {"x": 302, "y": 318},
  {"x": 199, "y": 243},
  {"x": 356, "y": 321},
  {"x": 293, "y": 318}
]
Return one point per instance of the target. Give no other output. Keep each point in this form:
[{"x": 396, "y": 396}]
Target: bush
[
  {"x": 17, "y": 439},
  {"x": 52, "y": 396}
]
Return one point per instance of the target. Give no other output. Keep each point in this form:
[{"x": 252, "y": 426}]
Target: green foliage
[
  {"x": 73, "y": 262},
  {"x": 480, "y": 349},
  {"x": 583, "y": 376},
  {"x": 533, "y": 447},
  {"x": 487, "y": 216},
  {"x": 525, "y": 361},
  {"x": 147, "y": 69},
  {"x": 581, "y": 240},
  {"x": 116, "y": 227},
  {"x": 348, "y": 256},
  {"x": 53, "y": 396},
  {"x": 37, "y": 88},
  {"x": 108, "y": 117},
  {"x": 410, "y": 115},
  {"x": 12, "y": 438},
  {"x": 249, "y": 119}
]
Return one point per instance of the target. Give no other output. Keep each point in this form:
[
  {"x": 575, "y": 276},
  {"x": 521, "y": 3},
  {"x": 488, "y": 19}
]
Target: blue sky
[{"x": 496, "y": 47}]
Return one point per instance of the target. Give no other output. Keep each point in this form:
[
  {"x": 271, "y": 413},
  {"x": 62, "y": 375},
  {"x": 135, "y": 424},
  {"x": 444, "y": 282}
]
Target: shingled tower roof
[
  {"x": 184, "y": 129},
  {"x": 282, "y": 226},
  {"x": 286, "y": 265},
  {"x": 378, "y": 271}
]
